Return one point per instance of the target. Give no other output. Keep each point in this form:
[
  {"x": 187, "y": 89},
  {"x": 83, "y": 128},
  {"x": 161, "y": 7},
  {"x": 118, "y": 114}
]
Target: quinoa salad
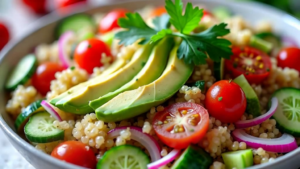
[{"x": 171, "y": 87}]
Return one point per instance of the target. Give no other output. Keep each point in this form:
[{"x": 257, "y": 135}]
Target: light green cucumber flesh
[
  {"x": 238, "y": 159},
  {"x": 40, "y": 129},
  {"x": 287, "y": 114},
  {"x": 219, "y": 70},
  {"x": 124, "y": 157},
  {"x": 22, "y": 72},
  {"x": 261, "y": 44},
  {"x": 253, "y": 105},
  {"x": 193, "y": 158},
  {"x": 26, "y": 113}
]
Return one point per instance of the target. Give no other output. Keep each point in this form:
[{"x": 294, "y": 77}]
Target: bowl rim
[{"x": 54, "y": 17}]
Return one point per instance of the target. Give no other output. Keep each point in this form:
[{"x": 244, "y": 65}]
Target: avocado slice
[
  {"x": 134, "y": 102},
  {"x": 154, "y": 67},
  {"x": 119, "y": 63},
  {"x": 77, "y": 101}
]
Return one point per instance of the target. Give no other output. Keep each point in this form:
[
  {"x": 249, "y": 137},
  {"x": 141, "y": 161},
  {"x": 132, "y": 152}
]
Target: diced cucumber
[
  {"x": 40, "y": 129},
  {"x": 26, "y": 113},
  {"x": 200, "y": 84},
  {"x": 270, "y": 37},
  {"x": 253, "y": 106},
  {"x": 22, "y": 72},
  {"x": 108, "y": 38},
  {"x": 221, "y": 13},
  {"x": 124, "y": 157},
  {"x": 238, "y": 159},
  {"x": 193, "y": 158},
  {"x": 219, "y": 70},
  {"x": 261, "y": 44},
  {"x": 287, "y": 114},
  {"x": 77, "y": 23}
]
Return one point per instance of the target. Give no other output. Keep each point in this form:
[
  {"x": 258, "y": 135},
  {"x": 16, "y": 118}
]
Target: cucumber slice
[
  {"x": 287, "y": 114},
  {"x": 270, "y": 37},
  {"x": 76, "y": 23},
  {"x": 40, "y": 129},
  {"x": 193, "y": 158},
  {"x": 124, "y": 157},
  {"x": 238, "y": 159},
  {"x": 253, "y": 106},
  {"x": 219, "y": 70},
  {"x": 221, "y": 13},
  {"x": 22, "y": 72},
  {"x": 261, "y": 44},
  {"x": 108, "y": 38},
  {"x": 26, "y": 113}
]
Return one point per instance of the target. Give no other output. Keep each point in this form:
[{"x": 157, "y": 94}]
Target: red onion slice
[
  {"x": 62, "y": 42},
  {"x": 283, "y": 144},
  {"x": 289, "y": 42},
  {"x": 260, "y": 119},
  {"x": 47, "y": 106},
  {"x": 143, "y": 138},
  {"x": 165, "y": 160}
]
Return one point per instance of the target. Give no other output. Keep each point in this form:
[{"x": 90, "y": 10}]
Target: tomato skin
[
  {"x": 158, "y": 11},
  {"x": 259, "y": 75},
  {"x": 43, "y": 76},
  {"x": 4, "y": 34},
  {"x": 110, "y": 20},
  {"x": 181, "y": 140},
  {"x": 76, "y": 153},
  {"x": 226, "y": 101},
  {"x": 289, "y": 57},
  {"x": 88, "y": 54},
  {"x": 37, "y": 6},
  {"x": 65, "y": 3}
]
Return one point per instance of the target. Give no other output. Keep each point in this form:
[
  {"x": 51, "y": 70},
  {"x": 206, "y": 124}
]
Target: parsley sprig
[{"x": 194, "y": 48}]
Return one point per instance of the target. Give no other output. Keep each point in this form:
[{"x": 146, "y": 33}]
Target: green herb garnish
[
  {"x": 200, "y": 84},
  {"x": 194, "y": 48},
  {"x": 220, "y": 98}
]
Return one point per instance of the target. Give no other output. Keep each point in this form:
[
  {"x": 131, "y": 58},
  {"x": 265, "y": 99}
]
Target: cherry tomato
[
  {"x": 4, "y": 34},
  {"x": 251, "y": 62},
  {"x": 76, "y": 153},
  {"x": 181, "y": 124},
  {"x": 88, "y": 54},
  {"x": 44, "y": 74},
  {"x": 289, "y": 57},
  {"x": 158, "y": 11},
  {"x": 37, "y": 6},
  {"x": 206, "y": 13},
  {"x": 65, "y": 3},
  {"x": 110, "y": 21},
  {"x": 226, "y": 101}
]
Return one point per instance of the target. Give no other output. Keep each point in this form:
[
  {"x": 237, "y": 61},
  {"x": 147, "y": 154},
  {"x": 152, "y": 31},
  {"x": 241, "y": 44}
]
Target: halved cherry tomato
[
  {"x": 289, "y": 57},
  {"x": 181, "y": 124},
  {"x": 43, "y": 76},
  {"x": 37, "y": 6},
  {"x": 88, "y": 54},
  {"x": 226, "y": 101},
  {"x": 206, "y": 13},
  {"x": 4, "y": 35},
  {"x": 158, "y": 11},
  {"x": 76, "y": 153},
  {"x": 253, "y": 63},
  {"x": 110, "y": 21},
  {"x": 64, "y": 3}
]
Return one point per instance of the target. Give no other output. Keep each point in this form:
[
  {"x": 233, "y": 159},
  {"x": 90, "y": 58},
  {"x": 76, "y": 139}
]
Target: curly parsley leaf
[
  {"x": 187, "y": 22},
  {"x": 136, "y": 29},
  {"x": 162, "y": 22}
]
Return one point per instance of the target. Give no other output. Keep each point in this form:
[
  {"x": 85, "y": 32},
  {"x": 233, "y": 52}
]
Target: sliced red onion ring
[
  {"x": 62, "y": 42},
  {"x": 47, "y": 106},
  {"x": 143, "y": 138},
  {"x": 283, "y": 144},
  {"x": 165, "y": 160},
  {"x": 287, "y": 41},
  {"x": 260, "y": 119}
]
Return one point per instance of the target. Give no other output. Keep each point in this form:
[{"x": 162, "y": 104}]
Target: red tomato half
[
  {"x": 181, "y": 124},
  {"x": 65, "y": 3},
  {"x": 289, "y": 57},
  {"x": 37, "y": 6},
  {"x": 110, "y": 21},
  {"x": 43, "y": 76},
  {"x": 4, "y": 35},
  {"x": 89, "y": 52},
  {"x": 253, "y": 63},
  {"x": 76, "y": 153},
  {"x": 226, "y": 101}
]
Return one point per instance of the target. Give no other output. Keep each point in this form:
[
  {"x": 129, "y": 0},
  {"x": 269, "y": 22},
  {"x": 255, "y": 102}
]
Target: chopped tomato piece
[{"x": 110, "y": 21}]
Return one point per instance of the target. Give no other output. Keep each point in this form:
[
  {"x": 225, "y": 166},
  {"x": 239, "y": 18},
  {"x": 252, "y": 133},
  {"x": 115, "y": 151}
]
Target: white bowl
[{"x": 42, "y": 32}]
